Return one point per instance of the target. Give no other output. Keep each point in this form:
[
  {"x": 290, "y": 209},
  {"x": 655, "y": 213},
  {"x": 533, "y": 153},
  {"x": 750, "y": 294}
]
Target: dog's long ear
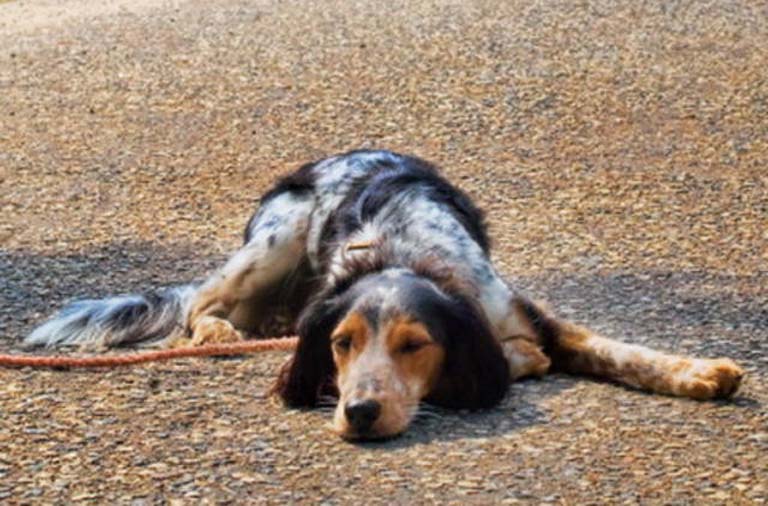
[
  {"x": 310, "y": 373},
  {"x": 475, "y": 373}
]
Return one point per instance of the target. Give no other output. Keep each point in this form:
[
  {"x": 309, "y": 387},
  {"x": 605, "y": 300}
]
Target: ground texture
[{"x": 620, "y": 149}]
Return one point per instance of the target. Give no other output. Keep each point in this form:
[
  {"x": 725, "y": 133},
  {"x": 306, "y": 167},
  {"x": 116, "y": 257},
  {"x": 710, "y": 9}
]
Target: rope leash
[{"x": 63, "y": 362}]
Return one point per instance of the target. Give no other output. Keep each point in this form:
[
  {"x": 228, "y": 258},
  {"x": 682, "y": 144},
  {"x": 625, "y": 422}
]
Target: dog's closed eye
[
  {"x": 342, "y": 343},
  {"x": 413, "y": 345}
]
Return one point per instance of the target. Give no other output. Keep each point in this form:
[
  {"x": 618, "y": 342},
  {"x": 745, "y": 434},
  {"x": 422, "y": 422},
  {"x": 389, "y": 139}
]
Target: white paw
[{"x": 212, "y": 330}]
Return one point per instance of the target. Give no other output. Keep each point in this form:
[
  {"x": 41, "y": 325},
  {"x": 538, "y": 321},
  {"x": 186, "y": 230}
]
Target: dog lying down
[{"x": 382, "y": 268}]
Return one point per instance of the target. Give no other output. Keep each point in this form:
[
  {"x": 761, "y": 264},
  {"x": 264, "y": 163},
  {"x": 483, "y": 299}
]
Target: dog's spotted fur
[{"x": 385, "y": 266}]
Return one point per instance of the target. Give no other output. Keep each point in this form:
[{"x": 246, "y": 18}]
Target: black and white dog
[{"x": 384, "y": 267}]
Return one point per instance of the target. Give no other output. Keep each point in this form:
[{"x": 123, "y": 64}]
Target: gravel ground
[{"x": 619, "y": 147}]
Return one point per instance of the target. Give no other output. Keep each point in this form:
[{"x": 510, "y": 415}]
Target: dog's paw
[
  {"x": 212, "y": 330},
  {"x": 710, "y": 379},
  {"x": 525, "y": 358}
]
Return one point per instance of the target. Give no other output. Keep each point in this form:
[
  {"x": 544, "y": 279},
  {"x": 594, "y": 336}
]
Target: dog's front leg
[{"x": 578, "y": 350}]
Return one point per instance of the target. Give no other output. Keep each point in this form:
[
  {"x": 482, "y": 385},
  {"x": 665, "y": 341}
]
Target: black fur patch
[
  {"x": 311, "y": 372},
  {"x": 300, "y": 181},
  {"x": 398, "y": 174},
  {"x": 128, "y": 314},
  {"x": 475, "y": 374},
  {"x": 545, "y": 327}
]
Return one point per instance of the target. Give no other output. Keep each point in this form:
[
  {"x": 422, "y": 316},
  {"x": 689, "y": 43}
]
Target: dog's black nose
[{"x": 362, "y": 413}]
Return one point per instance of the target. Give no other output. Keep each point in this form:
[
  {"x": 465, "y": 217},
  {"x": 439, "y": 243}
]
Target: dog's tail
[{"x": 116, "y": 321}]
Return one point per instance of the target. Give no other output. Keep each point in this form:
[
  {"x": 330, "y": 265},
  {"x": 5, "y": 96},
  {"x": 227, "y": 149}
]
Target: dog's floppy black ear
[
  {"x": 310, "y": 373},
  {"x": 475, "y": 373}
]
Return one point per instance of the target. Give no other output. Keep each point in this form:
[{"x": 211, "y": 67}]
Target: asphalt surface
[{"x": 619, "y": 148}]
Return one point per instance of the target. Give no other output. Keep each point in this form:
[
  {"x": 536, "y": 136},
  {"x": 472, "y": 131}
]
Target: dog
[{"x": 382, "y": 267}]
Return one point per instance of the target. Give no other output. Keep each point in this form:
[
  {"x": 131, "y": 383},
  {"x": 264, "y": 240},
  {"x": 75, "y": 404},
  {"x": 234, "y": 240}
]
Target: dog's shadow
[
  {"x": 520, "y": 410},
  {"x": 35, "y": 284}
]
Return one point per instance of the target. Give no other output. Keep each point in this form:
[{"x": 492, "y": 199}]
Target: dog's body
[{"x": 385, "y": 266}]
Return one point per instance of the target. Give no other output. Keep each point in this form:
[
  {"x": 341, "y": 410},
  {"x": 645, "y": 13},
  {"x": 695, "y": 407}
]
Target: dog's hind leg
[
  {"x": 577, "y": 350},
  {"x": 275, "y": 248}
]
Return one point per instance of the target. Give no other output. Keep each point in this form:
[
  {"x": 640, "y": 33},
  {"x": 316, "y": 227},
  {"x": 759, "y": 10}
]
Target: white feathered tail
[{"x": 116, "y": 321}]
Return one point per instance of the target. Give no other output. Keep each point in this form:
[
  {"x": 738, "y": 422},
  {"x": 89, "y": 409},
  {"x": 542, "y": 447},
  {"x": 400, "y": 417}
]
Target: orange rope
[{"x": 60, "y": 361}]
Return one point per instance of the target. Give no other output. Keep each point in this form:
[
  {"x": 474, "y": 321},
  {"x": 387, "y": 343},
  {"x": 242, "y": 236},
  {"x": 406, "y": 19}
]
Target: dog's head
[{"x": 386, "y": 342}]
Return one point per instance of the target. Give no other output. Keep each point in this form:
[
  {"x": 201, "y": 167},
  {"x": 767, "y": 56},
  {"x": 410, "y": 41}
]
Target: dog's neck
[{"x": 363, "y": 257}]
